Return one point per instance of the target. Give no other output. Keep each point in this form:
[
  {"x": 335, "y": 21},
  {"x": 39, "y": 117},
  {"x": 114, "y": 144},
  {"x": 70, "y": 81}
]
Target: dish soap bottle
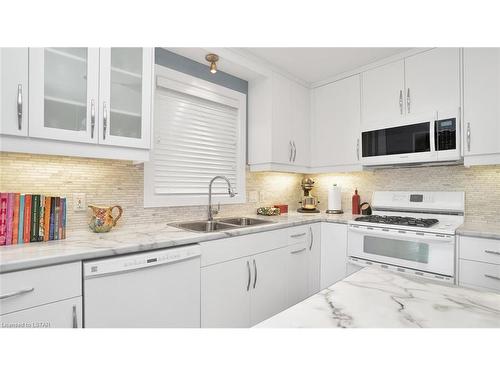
[{"x": 355, "y": 203}]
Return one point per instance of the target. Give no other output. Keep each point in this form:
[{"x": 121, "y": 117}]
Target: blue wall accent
[{"x": 183, "y": 64}]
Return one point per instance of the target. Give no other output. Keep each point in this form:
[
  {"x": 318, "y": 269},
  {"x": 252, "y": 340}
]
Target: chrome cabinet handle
[
  {"x": 255, "y": 270},
  {"x": 298, "y": 235},
  {"x": 18, "y": 293},
  {"x": 249, "y": 275},
  {"x": 401, "y": 101},
  {"x": 492, "y": 252},
  {"x": 19, "y": 107},
  {"x": 294, "y": 151},
  {"x": 357, "y": 148},
  {"x": 92, "y": 118},
  {"x": 492, "y": 277},
  {"x": 298, "y": 251},
  {"x": 104, "y": 120},
  {"x": 408, "y": 100},
  {"x": 291, "y": 151},
  {"x": 312, "y": 238},
  {"x": 75, "y": 320},
  {"x": 468, "y": 136}
]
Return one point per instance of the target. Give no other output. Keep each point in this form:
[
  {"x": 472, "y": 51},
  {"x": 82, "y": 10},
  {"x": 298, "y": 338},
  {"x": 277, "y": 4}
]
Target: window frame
[{"x": 187, "y": 84}]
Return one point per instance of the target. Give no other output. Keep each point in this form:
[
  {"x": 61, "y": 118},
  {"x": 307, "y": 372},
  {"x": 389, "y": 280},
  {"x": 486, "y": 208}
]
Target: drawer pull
[
  {"x": 298, "y": 235},
  {"x": 492, "y": 252},
  {"x": 18, "y": 293},
  {"x": 492, "y": 277},
  {"x": 298, "y": 251}
]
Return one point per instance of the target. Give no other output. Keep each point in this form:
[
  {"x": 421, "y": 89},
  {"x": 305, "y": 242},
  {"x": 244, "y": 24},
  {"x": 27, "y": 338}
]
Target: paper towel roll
[{"x": 334, "y": 198}]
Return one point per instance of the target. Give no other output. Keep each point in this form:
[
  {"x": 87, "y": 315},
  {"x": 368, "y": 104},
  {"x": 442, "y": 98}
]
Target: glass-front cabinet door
[
  {"x": 64, "y": 87},
  {"x": 125, "y": 96}
]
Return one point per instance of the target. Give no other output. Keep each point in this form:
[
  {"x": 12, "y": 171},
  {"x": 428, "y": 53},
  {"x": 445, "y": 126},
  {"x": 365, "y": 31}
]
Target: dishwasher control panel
[{"x": 136, "y": 261}]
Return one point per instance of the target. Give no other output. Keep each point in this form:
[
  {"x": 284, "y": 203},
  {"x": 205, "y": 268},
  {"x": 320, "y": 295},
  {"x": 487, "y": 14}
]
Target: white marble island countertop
[{"x": 375, "y": 298}]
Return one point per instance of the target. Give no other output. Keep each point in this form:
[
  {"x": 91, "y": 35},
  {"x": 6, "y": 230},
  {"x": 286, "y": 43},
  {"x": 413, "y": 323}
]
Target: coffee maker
[{"x": 308, "y": 203}]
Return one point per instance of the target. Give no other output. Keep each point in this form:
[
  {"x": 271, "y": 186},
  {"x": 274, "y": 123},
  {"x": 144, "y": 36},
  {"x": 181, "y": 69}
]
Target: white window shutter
[{"x": 197, "y": 135}]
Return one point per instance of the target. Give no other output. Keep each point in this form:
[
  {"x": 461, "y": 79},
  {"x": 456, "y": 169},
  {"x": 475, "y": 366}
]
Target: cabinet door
[
  {"x": 314, "y": 260},
  {"x": 382, "y": 95},
  {"x": 432, "y": 81},
  {"x": 297, "y": 274},
  {"x": 336, "y": 123},
  {"x": 62, "y": 314},
  {"x": 333, "y": 253},
  {"x": 268, "y": 295},
  {"x": 225, "y": 294},
  {"x": 282, "y": 120},
  {"x": 63, "y": 96},
  {"x": 125, "y": 96},
  {"x": 300, "y": 108},
  {"x": 14, "y": 91},
  {"x": 481, "y": 101}
]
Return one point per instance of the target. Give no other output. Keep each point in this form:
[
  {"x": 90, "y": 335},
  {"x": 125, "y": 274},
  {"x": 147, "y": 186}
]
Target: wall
[
  {"x": 109, "y": 182},
  {"x": 481, "y": 185}
]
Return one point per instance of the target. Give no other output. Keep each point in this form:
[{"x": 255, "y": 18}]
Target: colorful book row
[{"x": 31, "y": 218}]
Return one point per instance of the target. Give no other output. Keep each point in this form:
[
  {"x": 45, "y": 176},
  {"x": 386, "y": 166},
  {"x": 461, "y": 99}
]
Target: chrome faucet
[{"x": 230, "y": 191}]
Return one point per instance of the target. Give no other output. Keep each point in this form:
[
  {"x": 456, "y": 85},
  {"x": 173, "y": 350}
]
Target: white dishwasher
[{"x": 153, "y": 289}]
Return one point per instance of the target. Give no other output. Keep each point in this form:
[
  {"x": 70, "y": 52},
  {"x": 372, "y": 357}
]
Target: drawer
[
  {"x": 24, "y": 289},
  {"x": 480, "y": 249},
  {"x": 478, "y": 274},
  {"x": 300, "y": 234}
]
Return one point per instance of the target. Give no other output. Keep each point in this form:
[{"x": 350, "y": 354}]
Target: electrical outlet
[{"x": 79, "y": 202}]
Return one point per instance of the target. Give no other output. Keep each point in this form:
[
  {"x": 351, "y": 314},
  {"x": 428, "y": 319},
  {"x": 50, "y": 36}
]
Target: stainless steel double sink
[{"x": 219, "y": 225}]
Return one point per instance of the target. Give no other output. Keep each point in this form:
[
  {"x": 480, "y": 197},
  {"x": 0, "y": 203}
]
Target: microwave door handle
[{"x": 407, "y": 235}]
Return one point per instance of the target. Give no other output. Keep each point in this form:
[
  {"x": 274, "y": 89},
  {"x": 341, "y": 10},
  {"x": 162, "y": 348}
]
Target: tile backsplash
[
  {"x": 481, "y": 185},
  {"x": 107, "y": 182}
]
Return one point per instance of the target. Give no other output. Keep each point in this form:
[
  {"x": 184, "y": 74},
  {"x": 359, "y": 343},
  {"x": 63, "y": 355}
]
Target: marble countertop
[
  {"x": 490, "y": 230},
  {"x": 87, "y": 245},
  {"x": 376, "y": 298}
]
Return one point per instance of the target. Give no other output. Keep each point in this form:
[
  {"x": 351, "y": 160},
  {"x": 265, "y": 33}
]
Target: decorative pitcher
[{"x": 102, "y": 219}]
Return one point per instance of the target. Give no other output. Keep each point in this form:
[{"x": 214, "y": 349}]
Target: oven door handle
[{"x": 403, "y": 234}]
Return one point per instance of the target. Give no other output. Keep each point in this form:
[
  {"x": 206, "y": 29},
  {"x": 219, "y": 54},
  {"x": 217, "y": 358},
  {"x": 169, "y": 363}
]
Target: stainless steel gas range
[{"x": 409, "y": 232}]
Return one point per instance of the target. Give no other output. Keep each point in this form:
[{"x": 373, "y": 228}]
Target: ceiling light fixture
[{"x": 212, "y": 58}]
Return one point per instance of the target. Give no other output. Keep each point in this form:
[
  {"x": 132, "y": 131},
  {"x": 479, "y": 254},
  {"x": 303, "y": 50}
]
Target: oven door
[{"x": 428, "y": 252}]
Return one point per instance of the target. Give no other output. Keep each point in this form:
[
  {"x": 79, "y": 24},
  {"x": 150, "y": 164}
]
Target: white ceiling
[{"x": 316, "y": 64}]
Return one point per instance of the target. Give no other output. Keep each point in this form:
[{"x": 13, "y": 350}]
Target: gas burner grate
[{"x": 398, "y": 220}]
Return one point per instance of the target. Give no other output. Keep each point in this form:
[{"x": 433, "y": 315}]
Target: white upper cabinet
[
  {"x": 336, "y": 120},
  {"x": 383, "y": 92},
  {"x": 63, "y": 95},
  {"x": 125, "y": 96},
  {"x": 427, "y": 84},
  {"x": 432, "y": 82},
  {"x": 279, "y": 125},
  {"x": 482, "y": 103},
  {"x": 14, "y": 91}
]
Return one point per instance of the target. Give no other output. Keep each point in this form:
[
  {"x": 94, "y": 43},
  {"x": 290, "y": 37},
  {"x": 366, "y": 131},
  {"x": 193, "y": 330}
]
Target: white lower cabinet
[
  {"x": 42, "y": 297},
  {"x": 479, "y": 263},
  {"x": 333, "y": 253},
  {"x": 272, "y": 271},
  {"x": 225, "y": 294},
  {"x": 243, "y": 292},
  {"x": 268, "y": 293},
  {"x": 297, "y": 274},
  {"x": 61, "y": 314}
]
